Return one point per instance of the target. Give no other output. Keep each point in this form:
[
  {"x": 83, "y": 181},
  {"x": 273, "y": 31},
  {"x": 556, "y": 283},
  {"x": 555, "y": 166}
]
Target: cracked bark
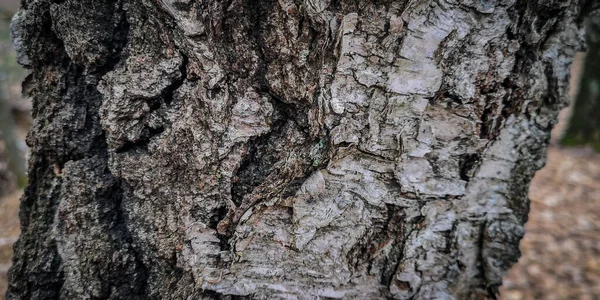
[{"x": 291, "y": 149}]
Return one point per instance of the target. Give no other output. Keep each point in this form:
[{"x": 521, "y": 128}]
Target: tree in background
[
  {"x": 357, "y": 149},
  {"x": 584, "y": 125},
  {"x": 12, "y": 163}
]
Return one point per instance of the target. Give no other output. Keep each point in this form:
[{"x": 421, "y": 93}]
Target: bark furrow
[{"x": 284, "y": 149}]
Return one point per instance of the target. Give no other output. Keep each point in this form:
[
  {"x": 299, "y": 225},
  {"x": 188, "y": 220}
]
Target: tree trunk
[
  {"x": 284, "y": 149},
  {"x": 584, "y": 124}
]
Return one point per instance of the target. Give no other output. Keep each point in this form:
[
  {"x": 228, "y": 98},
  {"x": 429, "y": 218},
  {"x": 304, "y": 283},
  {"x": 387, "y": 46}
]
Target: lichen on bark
[{"x": 291, "y": 149}]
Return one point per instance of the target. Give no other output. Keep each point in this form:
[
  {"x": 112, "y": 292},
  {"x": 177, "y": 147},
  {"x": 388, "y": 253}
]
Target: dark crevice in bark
[
  {"x": 366, "y": 252},
  {"x": 257, "y": 31},
  {"x": 166, "y": 99},
  {"x": 481, "y": 257},
  {"x": 516, "y": 16},
  {"x": 547, "y": 18},
  {"x": 215, "y": 217},
  {"x": 258, "y": 162},
  {"x": 491, "y": 122},
  {"x": 119, "y": 41},
  {"x": 453, "y": 98},
  {"x": 167, "y": 93},
  {"x": 138, "y": 281},
  {"x": 264, "y": 151},
  {"x": 467, "y": 164},
  {"x": 218, "y": 296},
  {"x": 394, "y": 225},
  {"x": 300, "y": 27},
  {"x": 512, "y": 102},
  {"x": 139, "y": 145}
]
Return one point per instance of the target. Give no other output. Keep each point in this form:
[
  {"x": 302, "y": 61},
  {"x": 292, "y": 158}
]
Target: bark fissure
[{"x": 260, "y": 149}]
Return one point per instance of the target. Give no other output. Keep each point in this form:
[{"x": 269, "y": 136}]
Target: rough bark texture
[{"x": 198, "y": 149}]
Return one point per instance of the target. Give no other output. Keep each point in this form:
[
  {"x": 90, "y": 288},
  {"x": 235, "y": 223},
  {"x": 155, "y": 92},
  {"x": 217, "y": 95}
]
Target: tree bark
[{"x": 284, "y": 149}]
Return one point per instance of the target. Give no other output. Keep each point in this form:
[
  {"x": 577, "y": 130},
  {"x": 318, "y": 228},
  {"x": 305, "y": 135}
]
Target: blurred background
[
  {"x": 560, "y": 251},
  {"x": 14, "y": 123}
]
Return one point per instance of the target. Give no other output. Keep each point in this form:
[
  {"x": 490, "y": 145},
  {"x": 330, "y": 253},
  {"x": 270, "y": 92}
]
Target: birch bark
[{"x": 198, "y": 149}]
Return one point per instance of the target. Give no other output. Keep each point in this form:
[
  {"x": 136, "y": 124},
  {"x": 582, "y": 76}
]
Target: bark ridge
[{"x": 284, "y": 149}]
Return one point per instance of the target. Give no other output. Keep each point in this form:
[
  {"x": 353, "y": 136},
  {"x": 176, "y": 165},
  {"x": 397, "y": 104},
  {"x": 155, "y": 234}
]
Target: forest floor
[{"x": 9, "y": 232}]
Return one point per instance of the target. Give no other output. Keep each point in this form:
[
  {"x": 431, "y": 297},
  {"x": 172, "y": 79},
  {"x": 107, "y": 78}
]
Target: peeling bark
[{"x": 284, "y": 149}]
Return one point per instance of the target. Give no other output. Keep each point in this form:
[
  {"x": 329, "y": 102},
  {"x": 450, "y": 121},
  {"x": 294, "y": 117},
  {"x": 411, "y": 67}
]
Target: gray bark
[{"x": 284, "y": 149}]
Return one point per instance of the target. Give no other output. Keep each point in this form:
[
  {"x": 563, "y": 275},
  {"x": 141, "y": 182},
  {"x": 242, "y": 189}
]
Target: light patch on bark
[{"x": 357, "y": 150}]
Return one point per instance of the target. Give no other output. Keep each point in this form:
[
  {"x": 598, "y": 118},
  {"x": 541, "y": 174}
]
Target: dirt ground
[{"x": 9, "y": 231}]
